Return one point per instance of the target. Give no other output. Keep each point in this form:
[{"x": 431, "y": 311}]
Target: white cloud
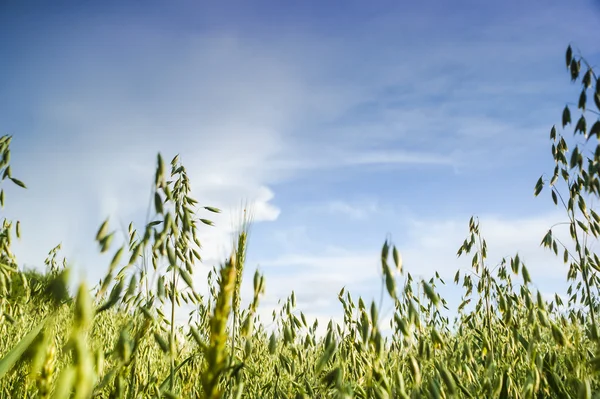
[
  {"x": 357, "y": 210},
  {"x": 399, "y": 157}
]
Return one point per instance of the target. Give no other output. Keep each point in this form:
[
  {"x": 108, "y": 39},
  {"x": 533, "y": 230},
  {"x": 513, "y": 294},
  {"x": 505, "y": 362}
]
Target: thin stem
[{"x": 172, "y": 337}]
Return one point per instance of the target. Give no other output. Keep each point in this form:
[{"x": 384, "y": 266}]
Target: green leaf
[
  {"x": 212, "y": 209},
  {"x": 9, "y": 360}
]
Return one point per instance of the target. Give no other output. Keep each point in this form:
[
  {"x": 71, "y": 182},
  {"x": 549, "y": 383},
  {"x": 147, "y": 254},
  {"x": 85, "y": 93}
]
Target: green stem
[{"x": 172, "y": 337}]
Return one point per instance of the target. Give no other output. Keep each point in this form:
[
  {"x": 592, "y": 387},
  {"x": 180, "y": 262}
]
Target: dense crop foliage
[{"x": 120, "y": 339}]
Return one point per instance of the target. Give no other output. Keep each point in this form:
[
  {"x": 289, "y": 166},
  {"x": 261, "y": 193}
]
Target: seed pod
[
  {"x": 433, "y": 297},
  {"x": 448, "y": 379},
  {"x": 102, "y": 230},
  {"x": 437, "y": 338},
  {"x": 272, "y": 344},
  {"x": 115, "y": 294},
  {"x": 414, "y": 370},
  {"x": 83, "y": 307},
  {"x": 558, "y": 335},
  {"x": 161, "y": 342}
]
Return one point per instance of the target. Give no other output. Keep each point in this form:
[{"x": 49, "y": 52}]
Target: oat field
[{"x": 119, "y": 339}]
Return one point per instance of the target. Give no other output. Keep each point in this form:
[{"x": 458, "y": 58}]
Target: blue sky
[{"x": 343, "y": 121}]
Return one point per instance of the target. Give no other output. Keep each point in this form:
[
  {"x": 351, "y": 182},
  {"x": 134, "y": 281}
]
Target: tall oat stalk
[
  {"x": 216, "y": 353},
  {"x": 240, "y": 246}
]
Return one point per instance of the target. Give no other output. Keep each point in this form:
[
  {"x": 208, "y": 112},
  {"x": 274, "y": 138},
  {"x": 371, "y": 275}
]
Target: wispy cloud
[{"x": 359, "y": 211}]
